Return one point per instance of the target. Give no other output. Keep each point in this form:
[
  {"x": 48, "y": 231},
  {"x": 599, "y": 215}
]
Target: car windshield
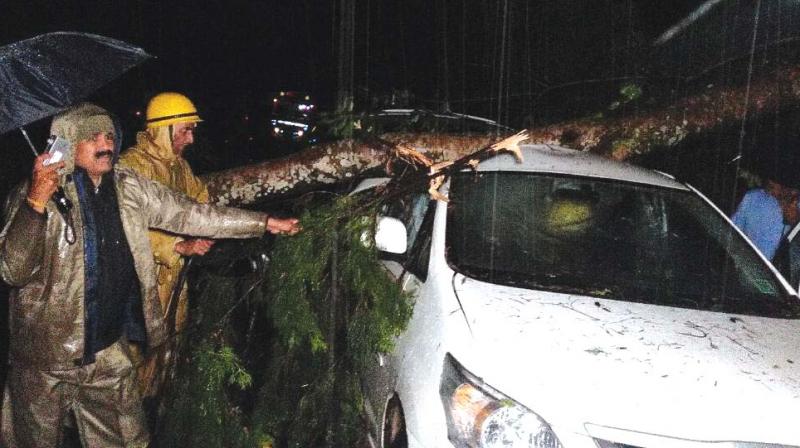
[{"x": 607, "y": 239}]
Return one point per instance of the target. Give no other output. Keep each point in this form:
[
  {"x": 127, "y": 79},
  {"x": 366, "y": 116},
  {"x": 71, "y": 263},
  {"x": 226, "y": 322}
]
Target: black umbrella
[{"x": 46, "y": 74}]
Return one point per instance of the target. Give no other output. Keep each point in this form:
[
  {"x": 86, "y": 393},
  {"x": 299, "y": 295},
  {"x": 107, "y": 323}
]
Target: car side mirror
[{"x": 390, "y": 235}]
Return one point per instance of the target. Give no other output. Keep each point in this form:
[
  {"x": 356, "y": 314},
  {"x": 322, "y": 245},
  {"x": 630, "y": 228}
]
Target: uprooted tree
[
  {"x": 618, "y": 138},
  {"x": 276, "y": 352}
]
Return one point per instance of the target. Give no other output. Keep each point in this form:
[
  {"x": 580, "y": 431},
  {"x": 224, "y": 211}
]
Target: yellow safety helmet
[{"x": 170, "y": 108}]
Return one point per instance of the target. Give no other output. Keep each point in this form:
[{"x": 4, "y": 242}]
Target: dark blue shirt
[
  {"x": 112, "y": 303},
  {"x": 760, "y": 217}
]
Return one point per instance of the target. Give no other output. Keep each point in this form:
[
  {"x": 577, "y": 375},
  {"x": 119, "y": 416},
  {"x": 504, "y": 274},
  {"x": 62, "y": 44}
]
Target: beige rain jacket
[{"x": 46, "y": 306}]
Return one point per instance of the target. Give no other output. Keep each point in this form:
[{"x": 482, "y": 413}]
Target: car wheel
[{"x": 394, "y": 425}]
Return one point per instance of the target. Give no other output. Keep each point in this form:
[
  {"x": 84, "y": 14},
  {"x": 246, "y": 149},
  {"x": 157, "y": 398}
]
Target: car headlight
[{"x": 479, "y": 416}]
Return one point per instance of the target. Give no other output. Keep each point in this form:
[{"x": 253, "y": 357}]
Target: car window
[
  {"x": 608, "y": 239},
  {"x": 419, "y": 254}
]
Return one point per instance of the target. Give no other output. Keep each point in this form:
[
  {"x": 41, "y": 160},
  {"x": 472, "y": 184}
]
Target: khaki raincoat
[
  {"x": 46, "y": 305},
  {"x": 153, "y": 158}
]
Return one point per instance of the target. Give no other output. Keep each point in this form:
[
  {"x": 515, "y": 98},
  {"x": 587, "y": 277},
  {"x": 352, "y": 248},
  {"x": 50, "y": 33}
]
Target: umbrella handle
[{"x": 30, "y": 143}]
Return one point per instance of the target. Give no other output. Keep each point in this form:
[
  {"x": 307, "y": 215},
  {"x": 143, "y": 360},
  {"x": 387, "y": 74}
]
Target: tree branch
[{"x": 618, "y": 138}]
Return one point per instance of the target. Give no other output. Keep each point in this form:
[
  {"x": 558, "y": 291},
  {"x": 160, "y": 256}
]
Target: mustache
[{"x": 100, "y": 154}]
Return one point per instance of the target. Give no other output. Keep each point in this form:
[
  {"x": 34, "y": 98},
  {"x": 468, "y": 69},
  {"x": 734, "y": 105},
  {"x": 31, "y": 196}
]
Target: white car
[{"x": 573, "y": 301}]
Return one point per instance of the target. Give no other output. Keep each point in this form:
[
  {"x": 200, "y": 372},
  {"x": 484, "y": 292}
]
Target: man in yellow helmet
[
  {"x": 85, "y": 291},
  {"x": 171, "y": 120}
]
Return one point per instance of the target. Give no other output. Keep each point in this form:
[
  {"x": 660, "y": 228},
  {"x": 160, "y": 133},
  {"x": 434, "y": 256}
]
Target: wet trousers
[
  {"x": 153, "y": 368},
  {"x": 103, "y": 396}
]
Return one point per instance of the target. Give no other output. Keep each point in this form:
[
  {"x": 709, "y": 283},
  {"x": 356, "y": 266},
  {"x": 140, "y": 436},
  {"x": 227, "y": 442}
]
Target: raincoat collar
[{"x": 158, "y": 142}]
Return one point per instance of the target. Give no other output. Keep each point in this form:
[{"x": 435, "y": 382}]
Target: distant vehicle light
[
  {"x": 292, "y": 123},
  {"x": 276, "y": 130},
  {"x": 300, "y": 133}
]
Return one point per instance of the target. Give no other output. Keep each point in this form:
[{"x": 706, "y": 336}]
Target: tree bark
[{"x": 618, "y": 138}]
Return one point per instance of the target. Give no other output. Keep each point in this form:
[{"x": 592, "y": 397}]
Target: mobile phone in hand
[{"x": 58, "y": 148}]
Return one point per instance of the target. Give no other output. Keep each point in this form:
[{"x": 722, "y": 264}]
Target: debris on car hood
[{"x": 683, "y": 373}]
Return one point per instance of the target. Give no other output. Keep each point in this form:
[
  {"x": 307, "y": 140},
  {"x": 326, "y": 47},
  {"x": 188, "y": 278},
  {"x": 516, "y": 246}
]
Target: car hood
[{"x": 583, "y": 362}]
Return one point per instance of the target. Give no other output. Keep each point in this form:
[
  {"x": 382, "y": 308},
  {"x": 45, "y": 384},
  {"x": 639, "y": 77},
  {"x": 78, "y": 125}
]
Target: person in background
[
  {"x": 85, "y": 288},
  {"x": 760, "y": 215}
]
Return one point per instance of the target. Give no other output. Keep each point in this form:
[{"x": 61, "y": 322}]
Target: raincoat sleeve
[
  {"x": 22, "y": 240},
  {"x": 163, "y": 244},
  {"x": 175, "y": 212}
]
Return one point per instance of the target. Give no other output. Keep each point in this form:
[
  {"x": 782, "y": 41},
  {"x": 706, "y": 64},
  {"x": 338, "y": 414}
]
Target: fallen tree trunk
[
  {"x": 618, "y": 138},
  {"x": 328, "y": 164}
]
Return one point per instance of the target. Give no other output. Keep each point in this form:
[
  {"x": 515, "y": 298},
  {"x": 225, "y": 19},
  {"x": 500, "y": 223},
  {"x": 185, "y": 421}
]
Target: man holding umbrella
[{"x": 81, "y": 301}]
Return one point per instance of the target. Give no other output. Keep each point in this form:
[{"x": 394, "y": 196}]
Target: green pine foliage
[
  {"x": 333, "y": 308},
  {"x": 201, "y": 413},
  {"x": 275, "y": 355}
]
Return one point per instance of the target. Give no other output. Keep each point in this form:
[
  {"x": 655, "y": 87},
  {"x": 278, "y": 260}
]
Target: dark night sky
[
  {"x": 213, "y": 51},
  {"x": 223, "y": 52}
]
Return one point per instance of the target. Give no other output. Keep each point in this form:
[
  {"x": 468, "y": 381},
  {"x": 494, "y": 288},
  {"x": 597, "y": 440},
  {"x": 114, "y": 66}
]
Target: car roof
[{"x": 560, "y": 160}]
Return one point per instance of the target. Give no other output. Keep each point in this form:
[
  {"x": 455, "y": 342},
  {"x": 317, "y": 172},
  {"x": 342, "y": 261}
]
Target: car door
[{"x": 414, "y": 210}]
